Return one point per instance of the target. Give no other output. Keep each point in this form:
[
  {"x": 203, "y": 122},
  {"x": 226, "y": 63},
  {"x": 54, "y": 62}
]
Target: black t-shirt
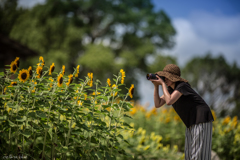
[{"x": 190, "y": 107}]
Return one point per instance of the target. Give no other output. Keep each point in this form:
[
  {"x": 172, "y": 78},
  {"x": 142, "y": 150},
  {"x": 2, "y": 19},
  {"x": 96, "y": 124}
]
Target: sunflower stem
[{"x": 111, "y": 112}]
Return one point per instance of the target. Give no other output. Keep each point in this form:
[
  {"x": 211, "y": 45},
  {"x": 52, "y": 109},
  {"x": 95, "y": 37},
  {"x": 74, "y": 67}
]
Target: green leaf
[
  {"x": 125, "y": 115},
  {"x": 94, "y": 140},
  {"x": 34, "y": 125},
  {"x": 125, "y": 124},
  {"x": 120, "y": 136},
  {"x": 21, "y": 119},
  {"x": 12, "y": 124},
  {"x": 107, "y": 156},
  {"x": 32, "y": 114},
  {"x": 11, "y": 105},
  {"x": 5, "y": 96},
  {"x": 76, "y": 132},
  {"x": 102, "y": 97},
  {"x": 129, "y": 104},
  {"x": 106, "y": 106},
  {"x": 126, "y": 141},
  {"x": 63, "y": 149},
  {"x": 99, "y": 155},
  {"x": 45, "y": 126},
  {"x": 4, "y": 117},
  {"x": 26, "y": 133},
  {"x": 41, "y": 114}
]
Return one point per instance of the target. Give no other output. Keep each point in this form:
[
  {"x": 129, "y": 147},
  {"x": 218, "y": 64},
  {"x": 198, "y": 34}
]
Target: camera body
[{"x": 153, "y": 76}]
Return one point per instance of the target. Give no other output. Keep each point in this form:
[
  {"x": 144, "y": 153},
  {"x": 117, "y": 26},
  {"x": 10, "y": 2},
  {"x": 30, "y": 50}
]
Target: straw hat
[{"x": 172, "y": 72}]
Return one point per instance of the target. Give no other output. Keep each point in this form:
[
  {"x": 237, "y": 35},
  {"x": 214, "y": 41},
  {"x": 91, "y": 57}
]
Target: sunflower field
[
  {"x": 50, "y": 115},
  {"x": 45, "y": 115},
  {"x": 160, "y": 134}
]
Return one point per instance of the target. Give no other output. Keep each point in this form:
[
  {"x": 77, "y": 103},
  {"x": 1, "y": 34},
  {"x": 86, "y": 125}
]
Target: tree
[
  {"x": 8, "y": 14},
  {"x": 217, "y": 81},
  {"x": 102, "y": 36}
]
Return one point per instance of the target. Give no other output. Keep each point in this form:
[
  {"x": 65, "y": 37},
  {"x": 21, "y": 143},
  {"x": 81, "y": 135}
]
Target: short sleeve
[{"x": 183, "y": 88}]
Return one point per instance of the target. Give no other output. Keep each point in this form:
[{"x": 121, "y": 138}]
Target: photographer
[{"x": 190, "y": 107}]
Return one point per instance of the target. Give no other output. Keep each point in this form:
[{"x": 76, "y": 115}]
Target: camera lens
[{"x": 151, "y": 76}]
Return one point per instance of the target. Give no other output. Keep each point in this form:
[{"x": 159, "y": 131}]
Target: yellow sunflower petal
[
  {"x": 23, "y": 75},
  {"x": 13, "y": 67}
]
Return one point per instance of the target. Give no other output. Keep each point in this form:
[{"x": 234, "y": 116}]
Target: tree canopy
[
  {"x": 217, "y": 81},
  {"x": 102, "y": 36}
]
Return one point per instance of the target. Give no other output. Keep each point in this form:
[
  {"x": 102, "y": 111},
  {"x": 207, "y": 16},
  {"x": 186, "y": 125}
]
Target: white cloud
[
  {"x": 217, "y": 28},
  {"x": 207, "y": 33}
]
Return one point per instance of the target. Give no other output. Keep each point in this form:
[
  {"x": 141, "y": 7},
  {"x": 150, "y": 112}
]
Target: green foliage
[
  {"x": 66, "y": 31},
  {"x": 166, "y": 124},
  {"x": 8, "y": 15},
  {"x": 148, "y": 146},
  {"x": 48, "y": 117},
  {"x": 216, "y": 81},
  {"x": 97, "y": 58},
  {"x": 226, "y": 138}
]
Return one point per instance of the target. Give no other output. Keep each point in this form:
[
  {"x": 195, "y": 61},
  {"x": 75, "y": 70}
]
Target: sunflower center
[
  {"x": 24, "y": 76},
  {"x": 40, "y": 72},
  {"x": 52, "y": 68},
  {"x": 71, "y": 79},
  {"x": 30, "y": 72},
  {"x": 18, "y": 63},
  {"x": 61, "y": 80},
  {"x": 132, "y": 91},
  {"x": 14, "y": 67}
]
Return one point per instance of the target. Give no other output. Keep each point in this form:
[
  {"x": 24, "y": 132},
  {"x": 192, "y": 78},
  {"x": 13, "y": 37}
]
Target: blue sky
[
  {"x": 204, "y": 26},
  {"x": 185, "y": 7}
]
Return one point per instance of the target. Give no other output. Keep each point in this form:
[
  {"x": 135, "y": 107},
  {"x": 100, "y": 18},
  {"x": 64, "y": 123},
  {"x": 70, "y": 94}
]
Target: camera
[{"x": 153, "y": 76}]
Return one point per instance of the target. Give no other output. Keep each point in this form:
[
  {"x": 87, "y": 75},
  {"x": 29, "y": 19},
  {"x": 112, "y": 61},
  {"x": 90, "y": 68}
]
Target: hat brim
[{"x": 171, "y": 77}]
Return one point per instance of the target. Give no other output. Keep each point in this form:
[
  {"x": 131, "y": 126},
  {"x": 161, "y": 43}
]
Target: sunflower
[
  {"x": 39, "y": 71},
  {"x": 122, "y": 76},
  {"x": 23, "y": 75},
  {"x": 60, "y": 80},
  {"x": 63, "y": 70},
  {"x": 13, "y": 67},
  {"x": 85, "y": 96},
  {"x": 13, "y": 84},
  {"x": 76, "y": 75},
  {"x": 109, "y": 82},
  {"x": 17, "y": 61},
  {"x": 70, "y": 79},
  {"x": 52, "y": 67},
  {"x": 51, "y": 81},
  {"x": 114, "y": 87},
  {"x": 30, "y": 70},
  {"x": 90, "y": 75},
  {"x": 94, "y": 93},
  {"x": 4, "y": 90},
  {"x": 42, "y": 60},
  {"x": 131, "y": 91}
]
